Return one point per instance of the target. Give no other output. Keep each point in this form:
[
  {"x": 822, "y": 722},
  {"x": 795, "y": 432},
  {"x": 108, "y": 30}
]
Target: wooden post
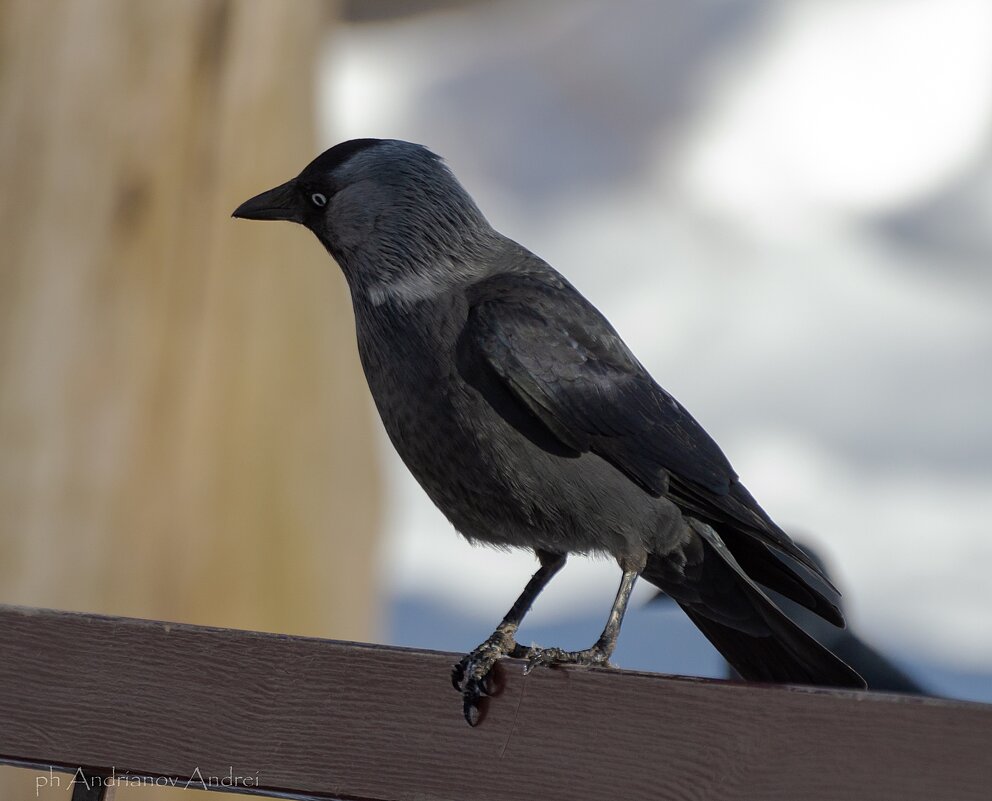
[{"x": 185, "y": 430}]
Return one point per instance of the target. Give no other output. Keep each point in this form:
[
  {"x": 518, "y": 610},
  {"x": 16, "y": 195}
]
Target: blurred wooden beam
[{"x": 186, "y": 432}]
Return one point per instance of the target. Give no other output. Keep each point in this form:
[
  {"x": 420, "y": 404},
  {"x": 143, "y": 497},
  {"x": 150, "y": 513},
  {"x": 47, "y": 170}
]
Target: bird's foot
[
  {"x": 473, "y": 675},
  {"x": 597, "y": 656}
]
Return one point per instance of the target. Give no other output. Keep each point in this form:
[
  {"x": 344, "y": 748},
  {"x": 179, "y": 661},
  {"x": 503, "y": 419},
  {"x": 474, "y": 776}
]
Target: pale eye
[{"x": 318, "y": 199}]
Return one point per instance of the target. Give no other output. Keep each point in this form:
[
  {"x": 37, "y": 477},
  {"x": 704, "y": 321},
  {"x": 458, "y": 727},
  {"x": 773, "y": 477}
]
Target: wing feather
[
  {"x": 552, "y": 366},
  {"x": 560, "y": 358}
]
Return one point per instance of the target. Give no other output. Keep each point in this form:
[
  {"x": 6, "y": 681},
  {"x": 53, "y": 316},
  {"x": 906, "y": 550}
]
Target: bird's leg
[
  {"x": 600, "y": 653},
  {"x": 471, "y": 673}
]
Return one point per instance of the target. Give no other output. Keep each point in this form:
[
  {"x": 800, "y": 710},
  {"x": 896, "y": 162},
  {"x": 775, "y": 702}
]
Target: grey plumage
[{"x": 530, "y": 423}]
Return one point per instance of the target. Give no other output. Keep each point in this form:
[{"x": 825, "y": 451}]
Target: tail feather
[
  {"x": 763, "y": 565},
  {"x": 758, "y": 640},
  {"x": 786, "y": 655}
]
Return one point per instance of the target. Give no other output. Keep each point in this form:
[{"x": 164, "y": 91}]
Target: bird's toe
[{"x": 555, "y": 657}]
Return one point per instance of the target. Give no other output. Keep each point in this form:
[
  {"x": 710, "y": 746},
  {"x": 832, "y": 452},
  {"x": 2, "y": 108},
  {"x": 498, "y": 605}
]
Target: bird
[{"x": 530, "y": 424}]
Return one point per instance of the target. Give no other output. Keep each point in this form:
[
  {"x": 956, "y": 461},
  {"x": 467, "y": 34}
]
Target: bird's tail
[{"x": 758, "y": 640}]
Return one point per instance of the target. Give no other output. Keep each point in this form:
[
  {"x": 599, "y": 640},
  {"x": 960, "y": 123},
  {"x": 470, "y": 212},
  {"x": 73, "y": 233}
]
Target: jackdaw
[{"x": 530, "y": 424}]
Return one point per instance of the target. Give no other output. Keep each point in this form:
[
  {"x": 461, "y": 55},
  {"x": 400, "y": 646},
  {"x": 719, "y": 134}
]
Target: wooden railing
[{"x": 134, "y": 701}]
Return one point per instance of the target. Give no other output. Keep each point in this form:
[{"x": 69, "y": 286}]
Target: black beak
[{"x": 281, "y": 203}]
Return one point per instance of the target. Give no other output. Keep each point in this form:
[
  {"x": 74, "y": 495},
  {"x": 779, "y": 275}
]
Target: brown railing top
[{"x": 297, "y": 716}]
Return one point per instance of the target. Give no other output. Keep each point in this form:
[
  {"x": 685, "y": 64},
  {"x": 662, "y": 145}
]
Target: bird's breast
[
  {"x": 488, "y": 479},
  {"x": 463, "y": 455},
  {"x": 409, "y": 363}
]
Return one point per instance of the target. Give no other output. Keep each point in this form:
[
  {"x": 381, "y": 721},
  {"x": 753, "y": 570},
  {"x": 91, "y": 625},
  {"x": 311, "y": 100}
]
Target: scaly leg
[
  {"x": 601, "y": 652},
  {"x": 471, "y": 673}
]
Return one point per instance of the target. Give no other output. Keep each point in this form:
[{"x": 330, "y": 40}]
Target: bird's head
[{"x": 388, "y": 211}]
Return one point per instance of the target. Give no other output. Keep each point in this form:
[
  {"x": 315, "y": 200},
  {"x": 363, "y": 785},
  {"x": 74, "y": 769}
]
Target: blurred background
[{"x": 783, "y": 206}]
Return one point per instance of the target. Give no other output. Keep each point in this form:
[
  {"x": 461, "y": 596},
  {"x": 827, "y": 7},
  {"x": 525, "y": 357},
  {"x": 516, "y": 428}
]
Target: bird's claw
[
  {"x": 474, "y": 680},
  {"x": 458, "y": 673},
  {"x": 476, "y": 689},
  {"x": 473, "y": 675}
]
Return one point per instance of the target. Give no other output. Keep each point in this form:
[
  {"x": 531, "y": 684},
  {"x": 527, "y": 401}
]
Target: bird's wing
[
  {"x": 552, "y": 366},
  {"x": 538, "y": 339}
]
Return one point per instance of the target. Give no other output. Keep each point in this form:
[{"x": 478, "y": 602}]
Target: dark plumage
[
  {"x": 879, "y": 672},
  {"x": 530, "y": 423}
]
